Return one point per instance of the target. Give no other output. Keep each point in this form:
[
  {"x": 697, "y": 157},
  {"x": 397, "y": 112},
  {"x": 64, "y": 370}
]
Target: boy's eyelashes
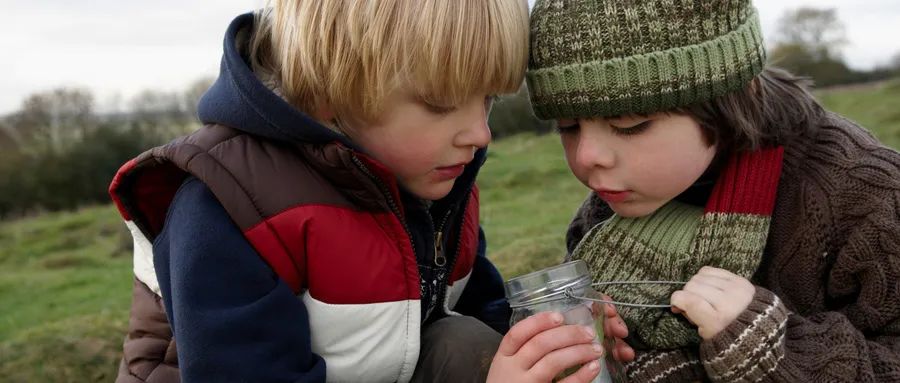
[
  {"x": 442, "y": 110},
  {"x": 437, "y": 109},
  {"x": 571, "y": 126},
  {"x": 631, "y": 130}
]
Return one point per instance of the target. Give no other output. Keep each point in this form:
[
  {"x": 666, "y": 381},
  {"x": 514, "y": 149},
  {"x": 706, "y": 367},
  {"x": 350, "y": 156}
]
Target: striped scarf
[{"x": 676, "y": 240}]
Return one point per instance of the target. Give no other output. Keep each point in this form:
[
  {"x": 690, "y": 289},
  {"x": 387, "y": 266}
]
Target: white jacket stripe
[
  {"x": 143, "y": 259},
  {"x": 379, "y": 344}
]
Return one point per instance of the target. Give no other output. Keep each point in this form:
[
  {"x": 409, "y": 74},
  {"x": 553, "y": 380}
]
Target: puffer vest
[{"x": 326, "y": 218}]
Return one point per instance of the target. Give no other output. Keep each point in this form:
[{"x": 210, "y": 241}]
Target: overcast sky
[{"x": 120, "y": 47}]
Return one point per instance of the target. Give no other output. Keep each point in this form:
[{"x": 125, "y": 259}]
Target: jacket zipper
[
  {"x": 438, "y": 235},
  {"x": 442, "y": 296},
  {"x": 440, "y": 259}
]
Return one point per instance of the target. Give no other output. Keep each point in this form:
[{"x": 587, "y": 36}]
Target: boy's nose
[
  {"x": 476, "y": 133},
  {"x": 592, "y": 152}
]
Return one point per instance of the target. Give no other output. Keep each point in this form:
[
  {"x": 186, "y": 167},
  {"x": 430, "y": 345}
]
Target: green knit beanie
[{"x": 597, "y": 58}]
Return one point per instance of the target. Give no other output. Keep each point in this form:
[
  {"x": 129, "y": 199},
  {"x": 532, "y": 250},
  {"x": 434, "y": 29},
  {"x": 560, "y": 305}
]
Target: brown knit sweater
[{"x": 827, "y": 303}]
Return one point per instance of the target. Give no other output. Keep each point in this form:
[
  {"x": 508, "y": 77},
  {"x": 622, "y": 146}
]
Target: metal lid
[{"x": 547, "y": 285}]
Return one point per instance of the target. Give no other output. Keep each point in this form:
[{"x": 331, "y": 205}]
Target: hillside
[{"x": 65, "y": 278}]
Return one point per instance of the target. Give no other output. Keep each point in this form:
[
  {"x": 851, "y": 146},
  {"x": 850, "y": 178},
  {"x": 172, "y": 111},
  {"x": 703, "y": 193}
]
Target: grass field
[
  {"x": 65, "y": 278},
  {"x": 876, "y": 107},
  {"x": 64, "y": 296}
]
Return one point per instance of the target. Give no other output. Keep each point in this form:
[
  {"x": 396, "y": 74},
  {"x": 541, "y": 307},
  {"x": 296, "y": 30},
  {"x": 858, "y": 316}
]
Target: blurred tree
[
  {"x": 9, "y": 138},
  {"x": 512, "y": 114},
  {"x": 57, "y": 153},
  {"x": 78, "y": 174},
  {"x": 54, "y": 119},
  {"x": 809, "y": 42},
  {"x": 150, "y": 105},
  {"x": 816, "y": 30},
  {"x": 193, "y": 93},
  {"x": 156, "y": 113},
  {"x": 894, "y": 63}
]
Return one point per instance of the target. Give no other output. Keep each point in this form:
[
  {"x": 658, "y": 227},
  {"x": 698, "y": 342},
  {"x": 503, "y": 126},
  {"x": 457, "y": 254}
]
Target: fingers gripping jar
[{"x": 560, "y": 289}]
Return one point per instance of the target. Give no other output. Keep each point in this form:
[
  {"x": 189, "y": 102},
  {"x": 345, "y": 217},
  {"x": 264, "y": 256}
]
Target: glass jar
[{"x": 561, "y": 288}]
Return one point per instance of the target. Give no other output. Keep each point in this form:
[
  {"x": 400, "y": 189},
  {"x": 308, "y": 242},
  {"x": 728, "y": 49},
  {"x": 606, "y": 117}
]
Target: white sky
[{"x": 120, "y": 47}]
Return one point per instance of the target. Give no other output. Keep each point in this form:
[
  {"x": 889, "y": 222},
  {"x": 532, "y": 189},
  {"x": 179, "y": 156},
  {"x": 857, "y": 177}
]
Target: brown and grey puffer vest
[{"x": 357, "y": 275}]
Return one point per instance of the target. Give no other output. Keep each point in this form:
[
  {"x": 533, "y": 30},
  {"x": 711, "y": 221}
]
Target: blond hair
[{"x": 349, "y": 55}]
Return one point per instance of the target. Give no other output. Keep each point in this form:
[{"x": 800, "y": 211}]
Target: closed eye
[
  {"x": 437, "y": 109},
  {"x": 631, "y": 130}
]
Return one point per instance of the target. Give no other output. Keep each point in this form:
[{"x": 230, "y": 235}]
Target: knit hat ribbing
[{"x": 605, "y": 57}]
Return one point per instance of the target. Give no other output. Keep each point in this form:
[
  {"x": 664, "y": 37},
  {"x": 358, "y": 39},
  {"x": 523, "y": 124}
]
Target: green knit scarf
[{"x": 674, "y": 242}]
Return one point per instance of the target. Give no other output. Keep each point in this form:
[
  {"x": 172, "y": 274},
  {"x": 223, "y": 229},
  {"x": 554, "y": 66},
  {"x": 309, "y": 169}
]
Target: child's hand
[
  {"x": 539, "y": 347},
  {"x": 615, "y": 327},
  {"x": 712, "y": 299}
]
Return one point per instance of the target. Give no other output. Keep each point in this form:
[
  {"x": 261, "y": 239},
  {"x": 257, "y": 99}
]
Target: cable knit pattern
[{"x": 827, "y": 306}]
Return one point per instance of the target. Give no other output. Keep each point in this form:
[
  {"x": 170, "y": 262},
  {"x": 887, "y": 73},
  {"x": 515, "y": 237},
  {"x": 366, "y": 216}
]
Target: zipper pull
[{"x": 439, "y": 259}]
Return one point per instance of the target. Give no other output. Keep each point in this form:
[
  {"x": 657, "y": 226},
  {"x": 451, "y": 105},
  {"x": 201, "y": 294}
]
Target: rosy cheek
[{"x": 655, "y": 176}]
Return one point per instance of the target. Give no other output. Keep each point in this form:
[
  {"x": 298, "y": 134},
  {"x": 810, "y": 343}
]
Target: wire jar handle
[{"x": 570, "y": 293}]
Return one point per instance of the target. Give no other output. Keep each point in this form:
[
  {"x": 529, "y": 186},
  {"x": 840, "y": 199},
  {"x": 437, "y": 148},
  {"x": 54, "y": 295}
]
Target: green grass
[
  {"x": 65, "y": 278},
  {"x": 528, "y": 197},
  {"x": 875, "y": 107},
  {"x": 64, "y": 296}
]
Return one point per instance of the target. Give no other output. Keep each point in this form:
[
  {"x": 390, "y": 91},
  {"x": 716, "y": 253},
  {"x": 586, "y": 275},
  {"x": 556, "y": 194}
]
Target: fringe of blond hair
[{"x": 350, "y": 55}]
